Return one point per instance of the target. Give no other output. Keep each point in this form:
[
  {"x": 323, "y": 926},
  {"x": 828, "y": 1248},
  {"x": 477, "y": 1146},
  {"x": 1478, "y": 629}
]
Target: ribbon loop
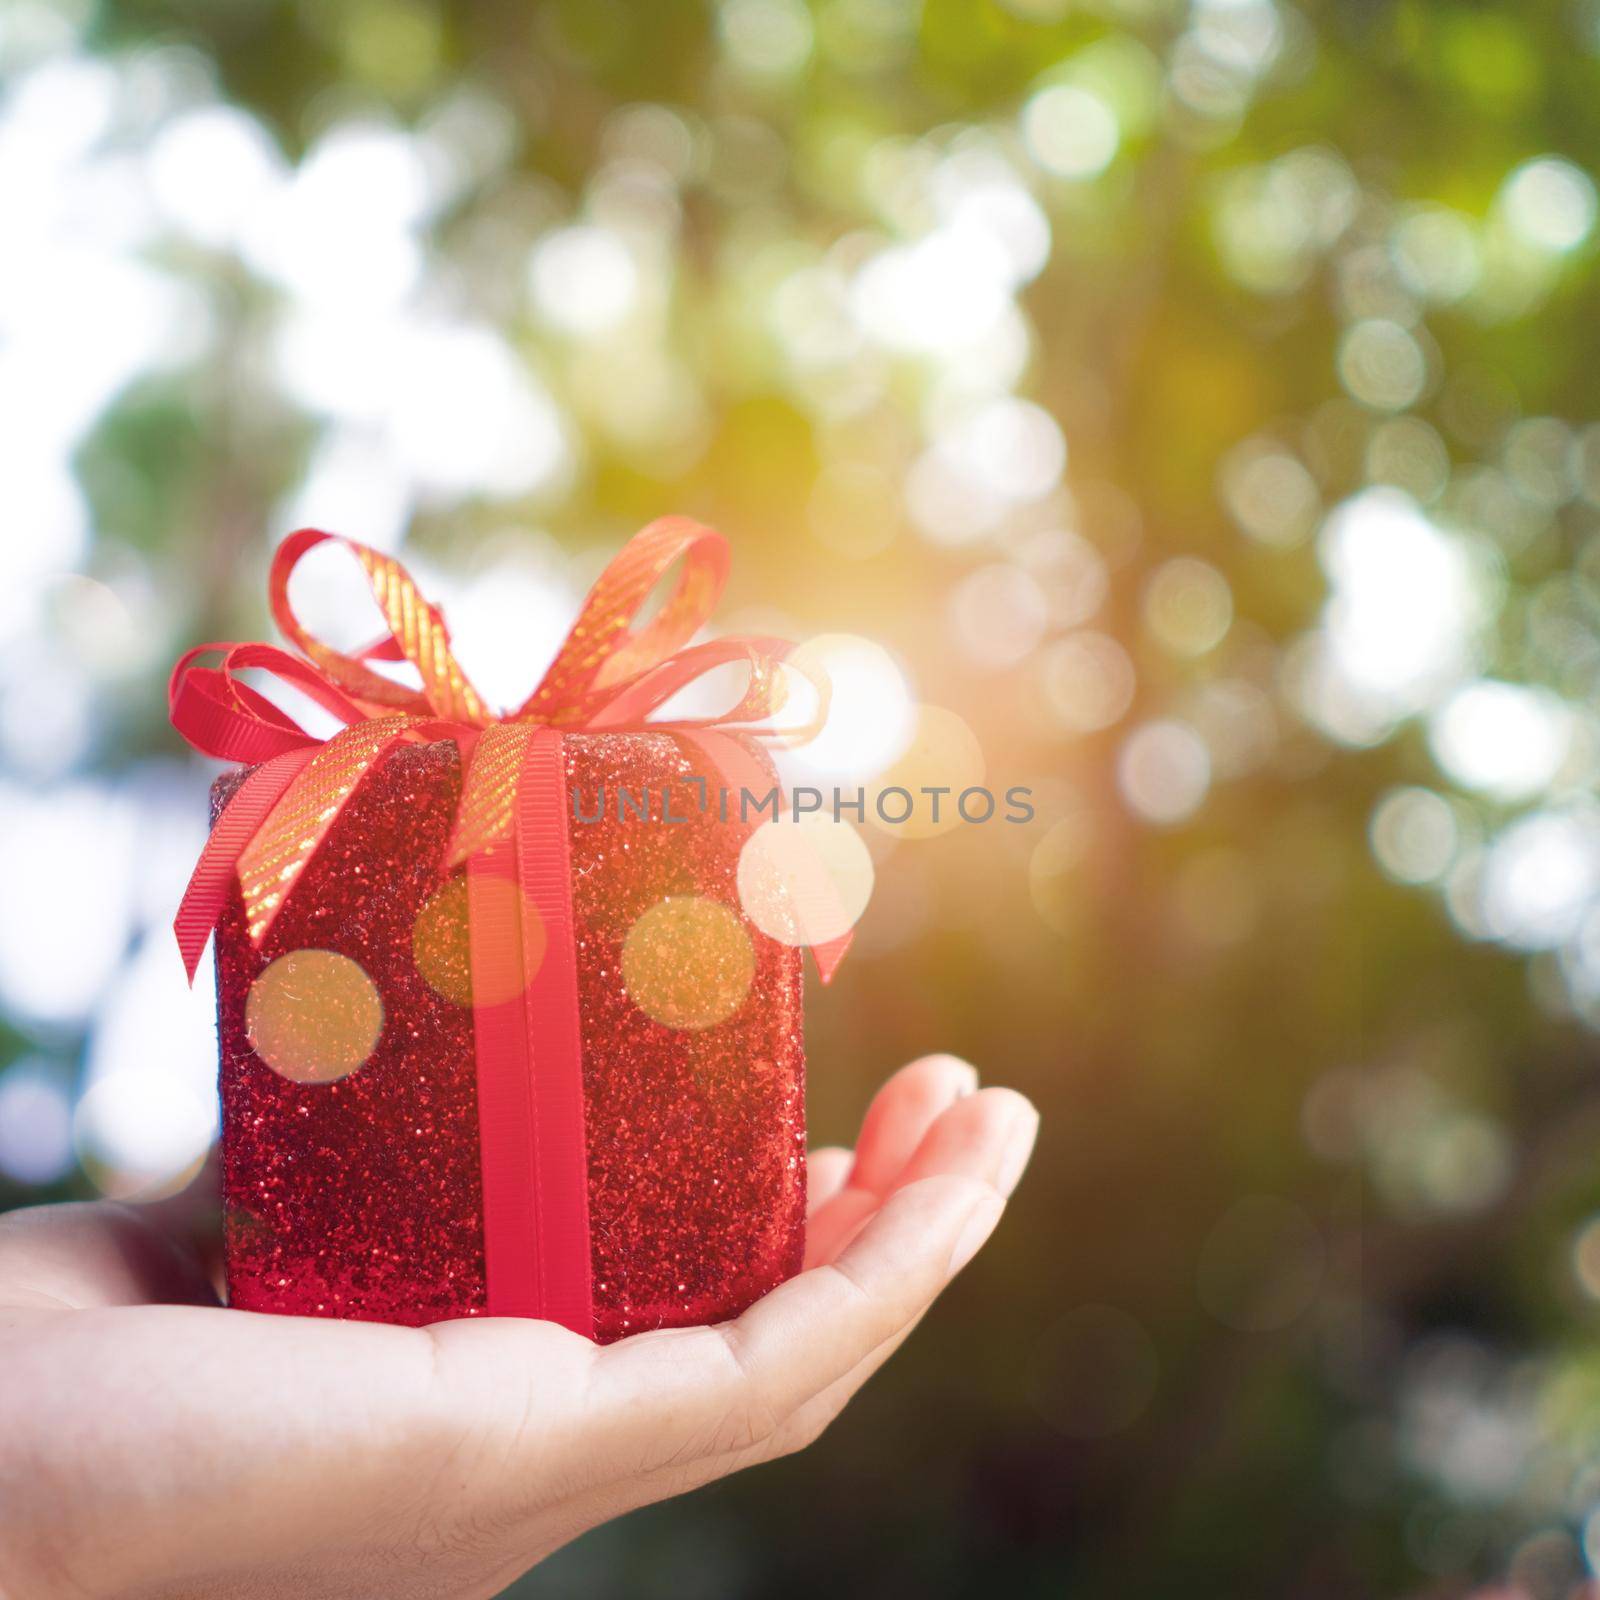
[
  {"x": 765, "y": 693},
  {"x": 220, "y": 716},
  {"x": 603, "y": 651},
  {"x": 416, "y": 634}
]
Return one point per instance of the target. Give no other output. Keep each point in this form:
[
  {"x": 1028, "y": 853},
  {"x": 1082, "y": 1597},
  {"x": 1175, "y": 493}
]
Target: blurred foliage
[{"x": 1296, "y": 1299}]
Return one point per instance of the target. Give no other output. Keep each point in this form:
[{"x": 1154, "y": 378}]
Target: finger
[
  {"x": 900, "y": 1115},
  {"x": 684, "y": 1407},
  {"x": 987, "y": 1136},
  {"x": 94, "y": 1253},
  {"x": 192, "y": 1218},
  {"x": 959, "y": 1140},
  {"x": 826, "y": 1171},
  {"x": 872, "y": 1294},
  {"x": 725, "y": 1392},
  {"x": 901, "y": 1112}
]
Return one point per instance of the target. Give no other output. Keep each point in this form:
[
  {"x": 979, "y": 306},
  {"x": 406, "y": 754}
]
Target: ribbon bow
[{"x": 609, "y": 676}]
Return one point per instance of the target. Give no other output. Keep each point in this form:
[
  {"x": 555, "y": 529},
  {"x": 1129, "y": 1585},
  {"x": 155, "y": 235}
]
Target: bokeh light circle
[
  {"x": 35, "y": 1123},
  {"x": 943, "y": 753},
  {"x": 1270, "y": 493},
  {"x": 870, "y": 713},
  {"x": 1506, "y": 740},
  {"x": 1436, "y": 252},
  {"x": 443, "y": 953},
  {"x": 1164, "y": 771},
  {"x": 1550, "y": 204},
  {"x": 998, "y": 614},
  {"x": 1586, "y": 1258},
  {"x": 1382, "y": 365},
  {"x": 141, "y": 1135},
  {"x": 1188, "y": 606},
  {"x": 1070, "y": 131},
  {"x": 805, "y": 880},
  {"x": 687, "y": 962},
  {"x": 1088, "y": 681},
  {"x": 583, "y": 280},
  {"x": 1408, "y": 453},
  {"x": 313, "y": 1016},
  {"x": 1414, "y": 835},
  {"x": 1070, "y": 571}
]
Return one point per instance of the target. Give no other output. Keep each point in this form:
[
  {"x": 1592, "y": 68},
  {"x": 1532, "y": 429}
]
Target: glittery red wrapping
[{"x": 361, "y": 1198}]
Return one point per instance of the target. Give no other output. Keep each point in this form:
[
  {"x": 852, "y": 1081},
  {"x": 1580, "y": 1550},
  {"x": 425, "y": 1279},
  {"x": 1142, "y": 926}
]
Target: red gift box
[{"x": 497, "y": 1033}]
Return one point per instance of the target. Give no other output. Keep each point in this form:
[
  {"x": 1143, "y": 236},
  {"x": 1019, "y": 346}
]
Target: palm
[{"x": 156, "y": 1444}]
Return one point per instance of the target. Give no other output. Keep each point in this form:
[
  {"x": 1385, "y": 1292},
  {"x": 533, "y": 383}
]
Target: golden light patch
[
  {"x": 805, "y": 881},
  {"x": 313, "y": 1016},
  {"x": 510, "y": 948},
  {"x": 944, "y": 755},
  {"x": 688, "y": 962}
]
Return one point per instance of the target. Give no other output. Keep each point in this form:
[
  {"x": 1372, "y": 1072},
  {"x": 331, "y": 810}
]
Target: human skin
[{"x": 154, "y": 1444}]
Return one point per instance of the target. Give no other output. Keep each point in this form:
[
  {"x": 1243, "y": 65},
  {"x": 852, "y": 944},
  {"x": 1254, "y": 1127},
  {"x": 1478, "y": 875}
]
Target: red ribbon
[
  {"x": 530, "y": 1061},
  {"x": 511, "y": 830}
]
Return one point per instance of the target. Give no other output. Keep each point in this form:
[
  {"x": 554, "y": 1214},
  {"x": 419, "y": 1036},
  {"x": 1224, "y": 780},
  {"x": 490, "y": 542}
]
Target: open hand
[{"x": 153, "y": 1444}]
